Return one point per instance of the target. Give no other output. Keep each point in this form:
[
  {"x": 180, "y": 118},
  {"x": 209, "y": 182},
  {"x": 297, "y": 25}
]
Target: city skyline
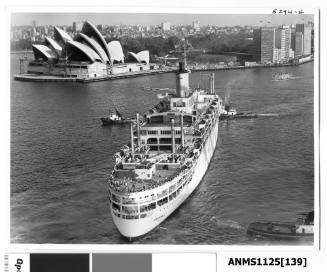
[{"x": 158, "y": 18}]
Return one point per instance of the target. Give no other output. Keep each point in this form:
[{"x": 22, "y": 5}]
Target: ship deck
[{"x": 125, "y": 181}]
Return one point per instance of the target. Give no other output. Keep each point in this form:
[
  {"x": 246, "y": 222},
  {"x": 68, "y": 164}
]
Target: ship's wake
[
  {"x": 268, "y": 114},
  {"x": 222, "y": 223},
  {"x": 292, "y": 77}
]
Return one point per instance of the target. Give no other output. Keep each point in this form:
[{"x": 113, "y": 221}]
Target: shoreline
[{"x": 50, "y": 78}]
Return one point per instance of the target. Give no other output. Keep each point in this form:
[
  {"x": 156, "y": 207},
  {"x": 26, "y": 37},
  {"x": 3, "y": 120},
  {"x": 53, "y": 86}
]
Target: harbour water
[{"x": 263, "y": 168}]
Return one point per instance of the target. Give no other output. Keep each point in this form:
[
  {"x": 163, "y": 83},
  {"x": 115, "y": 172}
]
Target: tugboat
[
  {"x": 115, "y": 118},
  {"x": 304, "y": 227},
  {"x": 228, "y": 113},
  {"x": 231, "y": 113}
]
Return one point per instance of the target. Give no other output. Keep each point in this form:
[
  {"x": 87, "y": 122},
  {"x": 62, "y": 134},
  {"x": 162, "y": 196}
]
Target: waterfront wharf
[{"x": 50, "y": 78}]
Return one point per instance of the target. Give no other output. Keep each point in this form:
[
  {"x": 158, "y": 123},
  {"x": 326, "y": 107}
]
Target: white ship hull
[{"x": 138, "y": 227}]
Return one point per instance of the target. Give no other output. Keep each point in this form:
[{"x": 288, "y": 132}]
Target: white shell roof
[
  {"x": 115, "y": 51},
  {"x": 54, "y": 45},
  {"x": 89, "y": 52},
  {"x": 134, "y": 56},
  {"x": 144, "y": 56},
  {"x": 90, "y": 30},
  {"x": 63, "y": 35},
  {"x": 45, "y": 51},
  {"x": 93, "y": 44}
]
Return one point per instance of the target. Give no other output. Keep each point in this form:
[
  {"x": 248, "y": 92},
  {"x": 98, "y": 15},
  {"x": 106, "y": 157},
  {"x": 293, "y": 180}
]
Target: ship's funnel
[{"x": 182, "y": 81}]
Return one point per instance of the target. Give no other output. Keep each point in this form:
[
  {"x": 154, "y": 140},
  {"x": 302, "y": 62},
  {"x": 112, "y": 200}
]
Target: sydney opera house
[{"x": 87, "y": 55}]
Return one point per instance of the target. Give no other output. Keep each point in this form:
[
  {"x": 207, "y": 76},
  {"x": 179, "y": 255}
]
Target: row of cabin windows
[
  {"x": 160, "y": 147},
  {"x": 155, "y": 132},
  {"x": 177, "y": 118},
  {"x": 179, "y": 104},
  {"x": 134, "y": 209},
  {"x": 163, "y": 140},
  {"x": 126, "y": 200},
  {"x": 169, "y": 132},
  {"x": 131, "y": 212}
]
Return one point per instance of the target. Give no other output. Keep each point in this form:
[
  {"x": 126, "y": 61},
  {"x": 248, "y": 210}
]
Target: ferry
[{"x": 167, "y": 157}]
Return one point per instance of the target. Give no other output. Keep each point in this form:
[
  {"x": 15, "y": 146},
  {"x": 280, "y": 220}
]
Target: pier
[{"x": 50, "y": 78}]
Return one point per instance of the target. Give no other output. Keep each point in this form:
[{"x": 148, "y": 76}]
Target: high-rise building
[
  {"x": 305, "y": 29},
  {"x": 196, "y": 25},
  {"x": 267, "y": 44},
  {"x": 257, "y": 45},
  {"x": 283, "y": 43},
  {"x": 165, "y": 26},
  {"x": 307, "y": 40},
  {"x": 293, "y": 38},
  {"x": 74, "y": 26},
  {"x": 298, "y": 44},
  {"x": 277, "y": 56}
]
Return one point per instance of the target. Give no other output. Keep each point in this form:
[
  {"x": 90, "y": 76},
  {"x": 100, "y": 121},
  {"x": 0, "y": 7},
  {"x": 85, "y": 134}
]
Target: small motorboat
[
  {"x": 115, "y": 118},
  {"x": 281, "y": 76},
  {"x": 304, "y": 227},
  {"x": 161, "y": 96}
]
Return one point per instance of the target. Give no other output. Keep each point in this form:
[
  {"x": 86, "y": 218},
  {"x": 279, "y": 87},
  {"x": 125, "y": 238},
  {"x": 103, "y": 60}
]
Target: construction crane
[
  {"x": 183, "y": 47},
  {"x": 165, "y": 58}
]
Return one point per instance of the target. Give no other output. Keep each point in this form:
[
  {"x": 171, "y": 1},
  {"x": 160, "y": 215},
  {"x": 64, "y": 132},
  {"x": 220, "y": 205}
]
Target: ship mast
[
  {"x": 132, "y": 141},
  {"x": 212, "y": 83},
  {"x": 182, "y": 130},
  {"x": 184, "y": 53},
  {"x": 138, "y": 130},
  {"x": 172, "y": 138}
]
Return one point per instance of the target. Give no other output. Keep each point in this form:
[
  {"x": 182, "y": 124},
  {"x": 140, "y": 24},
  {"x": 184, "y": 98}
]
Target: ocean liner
[{"x": 168, "y": 155}]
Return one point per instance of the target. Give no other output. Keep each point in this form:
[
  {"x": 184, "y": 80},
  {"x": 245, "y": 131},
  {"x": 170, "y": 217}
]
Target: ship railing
[
  {"x": 128, "y": 186},
  {"x": 139, "y": 209}
]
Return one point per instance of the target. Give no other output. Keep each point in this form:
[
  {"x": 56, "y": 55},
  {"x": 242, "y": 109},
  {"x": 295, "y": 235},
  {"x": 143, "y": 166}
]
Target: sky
[{"x": 158, "y": 18}]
